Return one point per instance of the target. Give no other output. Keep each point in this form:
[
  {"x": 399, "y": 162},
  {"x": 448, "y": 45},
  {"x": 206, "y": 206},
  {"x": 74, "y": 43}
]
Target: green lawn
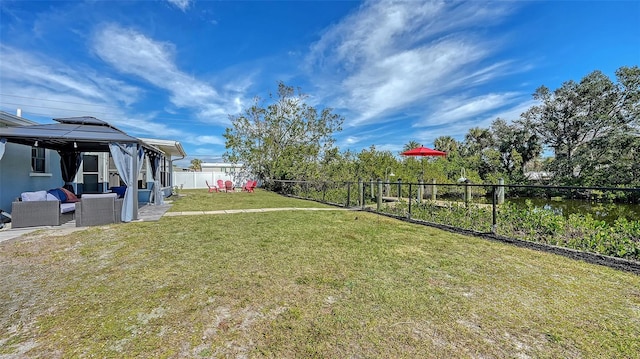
[
  {"x": 202, "y": 200},
  {"x": 331, "y": 284}
]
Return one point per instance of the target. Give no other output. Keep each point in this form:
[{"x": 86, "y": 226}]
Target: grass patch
[
  {"x": 201, "y": 200},
  {"x": 305, "y": 284}
]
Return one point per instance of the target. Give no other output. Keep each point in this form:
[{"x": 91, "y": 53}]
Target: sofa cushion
[
  {"x": 59, "y": 193},
  {"x": 100, "y": 195},
  {"x": 33, "y": 196},
  {"x": 51, "y": 197},
  {"x": 67, "y": 207}
]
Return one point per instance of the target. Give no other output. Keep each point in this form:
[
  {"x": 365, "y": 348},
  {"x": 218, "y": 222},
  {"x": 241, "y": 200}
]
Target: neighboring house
[
  {"x": 538, "y": 175},
  {"x": 222, "y": 168},
  {"x": 30, "y": 168}
]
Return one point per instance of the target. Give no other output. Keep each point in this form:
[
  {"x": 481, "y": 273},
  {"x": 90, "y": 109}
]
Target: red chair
[
  {"x": 221, "y": 185},
  {"x": 228, "y": 186},
  {"x": 211, "y": 188},
  {"x": 249, "y": 186},
  {"x": 245, "y": 188}
]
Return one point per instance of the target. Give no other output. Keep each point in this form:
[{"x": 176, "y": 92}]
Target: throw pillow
[
  {"x": 71, "y": 197},
  {"x": 60, "y": 195}
]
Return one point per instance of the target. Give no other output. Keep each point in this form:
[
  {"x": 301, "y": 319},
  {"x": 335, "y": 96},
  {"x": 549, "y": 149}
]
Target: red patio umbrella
[{"x": 423, "y": 152}]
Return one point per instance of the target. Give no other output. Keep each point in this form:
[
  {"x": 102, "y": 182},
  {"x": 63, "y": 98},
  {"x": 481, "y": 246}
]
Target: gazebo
[{"x": 72, "y": 136}]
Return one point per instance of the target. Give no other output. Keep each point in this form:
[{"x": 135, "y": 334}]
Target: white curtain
[
  {"x": 2, "y": 143},
  {"x": 122, "y": 154},
  {"x": 157, "y": 191}
]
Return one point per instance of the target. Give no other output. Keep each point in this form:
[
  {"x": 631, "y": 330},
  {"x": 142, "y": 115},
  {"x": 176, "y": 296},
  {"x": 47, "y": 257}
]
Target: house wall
[{"x": 16, "y": 176}]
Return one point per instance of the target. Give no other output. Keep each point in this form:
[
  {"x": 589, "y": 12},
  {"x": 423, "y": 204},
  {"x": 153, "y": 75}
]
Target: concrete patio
[{"x": 146, "y": 213}]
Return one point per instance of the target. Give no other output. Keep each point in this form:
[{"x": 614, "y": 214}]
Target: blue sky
[{"x": 397, "y": 71}]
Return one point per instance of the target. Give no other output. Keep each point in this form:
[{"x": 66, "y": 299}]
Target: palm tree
[
  {"x": 410, "y": 145},
  {"x": 446, "y": 143},
  {"x": 477, "y": 140},
  {"x": 196, "y": 165}
]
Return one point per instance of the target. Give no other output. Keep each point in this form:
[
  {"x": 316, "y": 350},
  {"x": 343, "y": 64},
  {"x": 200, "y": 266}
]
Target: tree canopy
[
  {"x": 286, "y": 139},
  {"x": 585, "y": 123},
  {"x": 591, "y": 128}
]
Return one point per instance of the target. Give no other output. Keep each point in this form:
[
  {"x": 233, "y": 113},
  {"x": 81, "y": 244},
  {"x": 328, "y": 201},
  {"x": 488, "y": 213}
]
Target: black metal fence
[{"x": 600, "y": 220}]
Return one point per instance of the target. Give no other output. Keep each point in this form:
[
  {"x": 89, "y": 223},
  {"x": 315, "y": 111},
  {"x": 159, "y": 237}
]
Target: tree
[
  {"x": 579, "y": 120},
  {"x": 410, "y": 145},
  {"x": 447, "y": 144},
  {"x": 287, "y": 139},
  {"x": 515, "y": 146},
  {"x": 477, "y": 140},
  {"x": 337, "y": 166},
  {"x": 196, "y": 165},
  {"x": 371, "y": 163}
]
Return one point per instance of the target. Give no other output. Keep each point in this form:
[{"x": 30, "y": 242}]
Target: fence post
[
  {"x": 467, "y": 194},
  {"x": 494, "y": 213},
  {"x": 379, "y": 205},
  {"x": 371, "y": 184},
  {"x": 433, "y": 189},
  {"x": 348, "y": 194},
  {"x": 410, "y": 200},
  {"x": 360, "y": 193},
  {"x": 501, "y": 191}
]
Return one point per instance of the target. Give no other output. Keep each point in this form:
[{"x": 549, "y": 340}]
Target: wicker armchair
[
  {"x": 98, "y": 209},
  {"x": 37, "y": 213}
]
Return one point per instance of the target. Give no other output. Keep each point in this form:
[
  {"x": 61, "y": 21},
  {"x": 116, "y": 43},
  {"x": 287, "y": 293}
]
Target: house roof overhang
[
  {"x": 10, "y": 120},
  {"x": 170, "y": 148}
]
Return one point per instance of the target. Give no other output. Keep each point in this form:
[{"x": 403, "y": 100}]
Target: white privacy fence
[{"x": 192, "y": 180}]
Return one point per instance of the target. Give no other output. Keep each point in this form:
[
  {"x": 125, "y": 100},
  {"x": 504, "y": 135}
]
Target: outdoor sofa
[
  {"x": 40, "y": 208},
  {"x": 98, "y": 209}
]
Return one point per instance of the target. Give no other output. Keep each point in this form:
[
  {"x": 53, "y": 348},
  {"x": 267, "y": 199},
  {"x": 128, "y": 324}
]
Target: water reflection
[{"x": 604, "y": 211}]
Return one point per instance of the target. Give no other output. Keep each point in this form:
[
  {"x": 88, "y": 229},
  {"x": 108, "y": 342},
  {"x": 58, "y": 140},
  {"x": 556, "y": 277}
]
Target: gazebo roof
[{"x": 80, "y": 134}]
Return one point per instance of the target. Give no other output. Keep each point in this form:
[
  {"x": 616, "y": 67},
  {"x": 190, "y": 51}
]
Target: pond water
[{"x": 607, "y": 211}]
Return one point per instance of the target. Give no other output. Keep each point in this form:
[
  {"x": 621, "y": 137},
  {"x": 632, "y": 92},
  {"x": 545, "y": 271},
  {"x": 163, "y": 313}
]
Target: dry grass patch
[{"x": 305, "y": 284}]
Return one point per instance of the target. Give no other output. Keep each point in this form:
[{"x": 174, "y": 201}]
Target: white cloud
[
  {"x": 44, "y": 87},
  {"x": 25, "y": 73},
  {"x": 455, "y": 109},
  {"x": 207, "y": 140},
  {"x": 390, "y": 57},
  {"x": 180, "y": 4},
  {"x": 403, "y": 79},
  {"x": 134, "y": 53},
  {"x": 458, "y": 129},
  {"x": 512, "y": 113}
]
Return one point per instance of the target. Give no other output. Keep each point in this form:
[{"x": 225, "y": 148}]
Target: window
[
  {"x": 164, "y": 172},
  {"x": 37, "y": 160},
  {"x": 90, "y": 183},
  {"x": 90, "y": 163}
]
